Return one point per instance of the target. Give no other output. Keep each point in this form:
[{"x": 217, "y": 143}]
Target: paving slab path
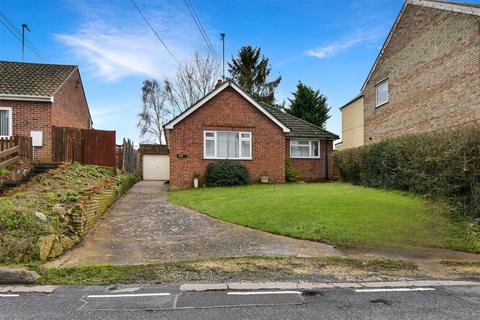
[{"x": 142, "y": 227}]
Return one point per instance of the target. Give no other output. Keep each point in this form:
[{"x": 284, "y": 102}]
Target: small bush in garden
[
  {"x": 442, "y": 165},
  {"x": 290, "y": 171},
  {"x": 226, "y": 173}
]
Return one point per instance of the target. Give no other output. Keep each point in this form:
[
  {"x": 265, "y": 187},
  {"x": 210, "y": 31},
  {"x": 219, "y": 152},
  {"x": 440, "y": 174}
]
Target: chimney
[{"x": 219, "y": 83}]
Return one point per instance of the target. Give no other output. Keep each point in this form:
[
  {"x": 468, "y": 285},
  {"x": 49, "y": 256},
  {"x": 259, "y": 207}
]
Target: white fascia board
[
  {"x": 214, "y": 93},
  {"x": 25, "y": 97}
]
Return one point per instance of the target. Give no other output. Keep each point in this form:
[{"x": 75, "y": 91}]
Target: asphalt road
[{"x": 167, "y": 302}]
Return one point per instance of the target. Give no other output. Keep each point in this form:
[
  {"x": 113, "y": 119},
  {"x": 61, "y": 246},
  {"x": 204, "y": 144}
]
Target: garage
[
  {"x": 154, "y": 161},
  {"x": 156, "y": 167}
]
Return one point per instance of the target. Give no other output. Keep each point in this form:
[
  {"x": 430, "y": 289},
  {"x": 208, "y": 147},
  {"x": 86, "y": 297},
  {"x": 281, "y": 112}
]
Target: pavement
[
  {"x": 423, "y": 299},
  {"x": 142, "y": 227}
]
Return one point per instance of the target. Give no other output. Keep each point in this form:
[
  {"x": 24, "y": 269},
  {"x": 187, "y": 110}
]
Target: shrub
[
  {"x": 443, "y": 165},
  {"x": 290, "y": 171},
  {"x": 226, "y": 173}
]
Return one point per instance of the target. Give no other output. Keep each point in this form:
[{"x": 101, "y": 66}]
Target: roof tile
[{"x": 32, "y": 79}]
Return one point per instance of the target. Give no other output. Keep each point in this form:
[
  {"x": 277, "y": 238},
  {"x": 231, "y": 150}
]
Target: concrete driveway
[{"x": 142, "y": 227}]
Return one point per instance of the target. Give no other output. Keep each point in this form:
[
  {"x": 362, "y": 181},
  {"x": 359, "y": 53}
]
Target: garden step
[{"x": 38, "y": 169}]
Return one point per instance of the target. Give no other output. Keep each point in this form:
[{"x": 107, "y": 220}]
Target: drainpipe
[{"x": 326, "y": 160}]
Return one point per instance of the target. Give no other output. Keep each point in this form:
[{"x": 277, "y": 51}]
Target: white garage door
[{"x": 156, "y": 167}]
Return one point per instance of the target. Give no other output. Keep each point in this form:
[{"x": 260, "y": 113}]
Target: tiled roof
[
  {"x": 299, "y": 128},
  {"x": 32, "y": 79}
]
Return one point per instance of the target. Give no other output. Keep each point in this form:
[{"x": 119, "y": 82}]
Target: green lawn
[{"x": 335, "y": 213}]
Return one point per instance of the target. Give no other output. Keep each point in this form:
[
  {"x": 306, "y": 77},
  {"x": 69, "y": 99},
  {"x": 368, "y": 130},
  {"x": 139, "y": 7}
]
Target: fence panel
[
  {"x": 98, "y": 147},
  {"x": 87, "y": 146},
  {"x": 67, "y": 144},
  {"x": 15, "y": 149}
]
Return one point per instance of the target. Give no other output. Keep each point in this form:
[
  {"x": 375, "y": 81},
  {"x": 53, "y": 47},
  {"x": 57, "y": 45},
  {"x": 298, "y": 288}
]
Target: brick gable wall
[
  {"x": 433, "y": 65},
  {"x": 70, "y": 108},
  {"x": 227, "y": 111}
]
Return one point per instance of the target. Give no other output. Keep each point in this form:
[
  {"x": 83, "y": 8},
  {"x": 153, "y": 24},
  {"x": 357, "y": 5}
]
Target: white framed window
[
  {"x": 5, "y": 122},
  {"x": 304, "y": 149},
  {"x": 381, "y": 93},
  {"x": 227, "y": 145}
]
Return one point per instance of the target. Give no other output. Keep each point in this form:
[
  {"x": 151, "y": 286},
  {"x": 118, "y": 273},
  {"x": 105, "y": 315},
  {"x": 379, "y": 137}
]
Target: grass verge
[
  {"x": 336, "y": 213},
  {"x": 229, "y": 269}
]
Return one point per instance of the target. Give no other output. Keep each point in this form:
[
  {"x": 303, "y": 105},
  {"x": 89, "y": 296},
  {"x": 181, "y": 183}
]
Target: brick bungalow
[
  {"x": 229, "y": 124},
  {"x": 34, "y": 97},
  {"x": 426, "y": 76}
]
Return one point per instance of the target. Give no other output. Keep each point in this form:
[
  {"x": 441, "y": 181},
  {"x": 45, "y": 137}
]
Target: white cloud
[
  {"x": 361, "y": 37},
  {"x": 116, "y": 42},
  {"x": 103, "y": 115}
]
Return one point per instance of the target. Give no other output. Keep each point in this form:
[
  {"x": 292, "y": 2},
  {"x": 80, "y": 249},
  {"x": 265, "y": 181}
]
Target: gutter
[{"x": 25, "y": 97}]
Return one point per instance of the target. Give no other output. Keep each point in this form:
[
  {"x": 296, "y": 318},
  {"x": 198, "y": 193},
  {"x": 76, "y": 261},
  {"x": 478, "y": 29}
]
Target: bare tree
[
  {"x": 192, "y": 81},
  {"x": 163, "y": 100},
  {"x": 155, "y": 111}
]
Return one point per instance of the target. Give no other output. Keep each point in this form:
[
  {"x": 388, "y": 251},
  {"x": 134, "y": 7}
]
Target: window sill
[
  {"x": 381, "y": 105},
  {"x": 311, "y": 158},
  {"x": 234, "y": 159}
]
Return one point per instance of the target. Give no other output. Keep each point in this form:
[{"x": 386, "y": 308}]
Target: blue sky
[{"x": 329, "y": 45}]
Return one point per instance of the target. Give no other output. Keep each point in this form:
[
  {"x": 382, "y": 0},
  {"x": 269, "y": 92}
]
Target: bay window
[
  {"x": 227, "y": 145},
  {"x": 5, "y": 122},
  {"x": 304, "y": 149}
]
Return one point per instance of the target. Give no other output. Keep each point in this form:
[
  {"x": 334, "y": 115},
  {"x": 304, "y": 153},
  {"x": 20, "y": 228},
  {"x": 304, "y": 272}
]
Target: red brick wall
[
  {"x": 313, "y": 169},
  {"x": 228, "y": 111},
  {"x": 32, "y": 116},
  {"x": 433, "y": 66},
  {"x": 70, "y": 107}
]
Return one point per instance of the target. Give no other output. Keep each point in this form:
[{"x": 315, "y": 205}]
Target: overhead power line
[
  {"x": 18, "y": 34},
  {"x": 199, "y": 24},
  {"x": 155, "y": 32}
]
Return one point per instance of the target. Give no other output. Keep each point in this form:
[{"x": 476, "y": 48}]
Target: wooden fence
[
  {"x": 127, "y": 156},
  {"x": 15, "y": 149},
  {"x": 87, "y": 146}
]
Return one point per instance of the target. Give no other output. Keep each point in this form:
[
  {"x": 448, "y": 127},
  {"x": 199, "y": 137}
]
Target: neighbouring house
[
  {"x": 229, "y": 124},
  {"x": 34, "y": 97},
  {"x": 352, "y": 124},
  {"x": 426, "y": 76}
]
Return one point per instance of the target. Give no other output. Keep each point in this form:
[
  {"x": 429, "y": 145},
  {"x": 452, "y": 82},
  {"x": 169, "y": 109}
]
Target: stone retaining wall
[{"x": 91, "y": 207}]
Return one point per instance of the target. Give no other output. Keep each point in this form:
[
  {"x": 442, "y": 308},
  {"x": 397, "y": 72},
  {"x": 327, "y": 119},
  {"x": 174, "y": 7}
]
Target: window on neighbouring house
[
  {"x": 5, "y": 122},
  {"x": 304, "y": 149},
  {"x": 382, "y": 93},
  {"x": 227, "y": 145}
]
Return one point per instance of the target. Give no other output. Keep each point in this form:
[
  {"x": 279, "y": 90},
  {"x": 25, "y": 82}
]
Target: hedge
[
  {"x": 441, "y": 165},
  {"x": 226, "y": 173}
]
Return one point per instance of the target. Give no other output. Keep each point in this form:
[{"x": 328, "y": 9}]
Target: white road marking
[
  {"x": 244, "y": 293},
  {"x": 9, "y": 295},
  {"x": 394, "y": 289},
  {"x": 128, "y": 295}
]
